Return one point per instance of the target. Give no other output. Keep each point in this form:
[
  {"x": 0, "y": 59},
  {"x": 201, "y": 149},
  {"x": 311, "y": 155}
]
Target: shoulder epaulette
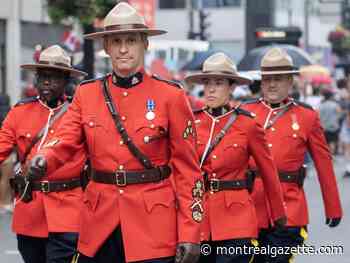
[
  {"x": 245, "y": 112},
  {"x": 170, "y": 82},
  {"x": 92, "y": 80},
  {"x": 303, "y": 104},
  {"x": 250, "y": 101},
  {"x": 27, "y": 100}
]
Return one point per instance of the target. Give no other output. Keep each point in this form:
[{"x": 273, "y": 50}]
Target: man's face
[
  {"x": 51, "y": 83},
  {"x": 127, "y": 52},
  {"x": 275, "y": 88},
  {"x": 216, "y": 92}
]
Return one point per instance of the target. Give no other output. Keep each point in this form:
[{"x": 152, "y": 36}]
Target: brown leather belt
[
  {"x": 123, "y": 178},
  {"x": 216, "y": 185},
  {"x": 48, "y": 186}
]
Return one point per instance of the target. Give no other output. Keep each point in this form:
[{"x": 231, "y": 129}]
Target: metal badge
[
  {"x": 295, "y": 126},
  {"x": 150, "y": 115}
]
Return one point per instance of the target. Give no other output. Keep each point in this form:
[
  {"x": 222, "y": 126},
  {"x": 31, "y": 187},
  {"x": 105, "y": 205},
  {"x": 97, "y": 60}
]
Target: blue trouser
[
  {"x": 289, "y": 237},
  {"x": 56, "y": 248},
  {"x": 228, "y": 251},
  {"x": 112, "y": 251}
]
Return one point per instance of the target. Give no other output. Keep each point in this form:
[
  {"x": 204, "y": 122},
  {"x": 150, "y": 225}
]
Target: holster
[
  {"x": 250, "y": 180},
  {"x": 22, "y": 187},
  {"x": 301, "y": 177},
  {"x": 85, "y": 175}
]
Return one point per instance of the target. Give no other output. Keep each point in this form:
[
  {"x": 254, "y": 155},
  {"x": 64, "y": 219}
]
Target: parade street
[{"x": 319, "y": 233}]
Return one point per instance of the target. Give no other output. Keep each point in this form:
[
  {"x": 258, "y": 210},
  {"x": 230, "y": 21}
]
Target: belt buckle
[
  {"x": 45, "y": 187},
  {"x": 120, "y": 177},
  {"x": 214, "y": 185}
]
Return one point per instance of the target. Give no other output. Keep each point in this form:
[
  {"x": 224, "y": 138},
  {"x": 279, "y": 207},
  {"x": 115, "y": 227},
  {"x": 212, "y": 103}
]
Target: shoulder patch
[
  {"x": 26, "y": 101},
  {"x": 245, "y": 112},
  {"x": 250, "y": 101},
  {"x": 92, "y": 80},
  {"x": 170, "y": 82},
  {"x": 303, "y": 104}
]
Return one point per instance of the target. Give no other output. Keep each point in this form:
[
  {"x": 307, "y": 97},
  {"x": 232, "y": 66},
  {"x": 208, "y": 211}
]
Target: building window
[
  {"x": 216, "y": 3},
  {"x": 166, "y": 4}
]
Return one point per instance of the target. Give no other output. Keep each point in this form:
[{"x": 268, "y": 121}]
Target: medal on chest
[{"x": 150, "y": 115}]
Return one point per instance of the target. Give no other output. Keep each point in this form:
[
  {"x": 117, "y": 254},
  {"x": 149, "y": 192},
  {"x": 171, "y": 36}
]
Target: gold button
[
  {"x": 270, "y": 145},
  {"x": 121, "y": 191},
  {"x": 146, "y": 139},
  {"x": 213, "y": 174},
  {"x": 125, "y": 94},
  {"x": 91, "y": 124},
  {"x": 294, "y": 135},
  {"x": 121, "y": 142},
  {"x": 152, "y": 126},
  {"x": 217, "y": 120},
  {"x": 28, "y": 135},
  {"x": 235, "y": 145},
  {"x": 121, "y": 167},
  {"x": 274, "y": 112},
  {"x": 51, "y": 131},
  {"x": 273, "y": 129},
  {"x": 198, "y": 142},
  {"x": 123, "y": 118},
  {"x": 214, "y": 157},
  {"x": 197, "y": 121}
]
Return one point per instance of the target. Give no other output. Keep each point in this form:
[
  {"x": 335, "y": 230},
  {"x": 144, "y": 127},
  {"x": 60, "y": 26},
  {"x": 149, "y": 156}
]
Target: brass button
[
  {"x": 295, "y": 136},
  {"x": 146, "y": 139},
  {"x": 217, "y": 120},
  {"x": 121, "y": 191},
  {"x": 125, "y": 93},
  {"x": 121, "y": 142},
  {"x": 121, "y": 167},
  {"x": 91, "y": 123},
  {"x": 152, "y": 126},
  {"x": 213, "y": 174},
  {"x": 123, "y": 118},
  {"x": 214, "y": 156},
  {"x": 273, "y": 129},
  {"x": 274, "y": 112},
  {"x": 235, "y": 145},
  {"x": 28, "y": 135},
  {"x": 51, "y": 131},
  {"x": 269, "y": 145}
]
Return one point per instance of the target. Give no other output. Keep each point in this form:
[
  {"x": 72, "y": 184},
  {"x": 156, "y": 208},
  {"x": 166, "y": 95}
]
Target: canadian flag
[{"x": 71, "y": 41}]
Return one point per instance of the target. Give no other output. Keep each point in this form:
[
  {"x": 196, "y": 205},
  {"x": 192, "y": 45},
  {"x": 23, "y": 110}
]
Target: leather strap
[
  {"x": 290, "y": 176},
  {"x": 279, "y": 115},
  {"x": 124, "y": 178},
  {"x": 141, "y": 157},
  {"x": 41, "y": 133},
  {"x": 219, "y": 136},
  {"x": 49, "y": 186},
  {"x": 216, "y": 185}
]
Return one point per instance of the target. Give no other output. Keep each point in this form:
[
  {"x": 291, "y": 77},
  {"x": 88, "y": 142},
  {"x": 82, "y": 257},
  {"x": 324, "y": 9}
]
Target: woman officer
[{"x": 227, "y": 137}]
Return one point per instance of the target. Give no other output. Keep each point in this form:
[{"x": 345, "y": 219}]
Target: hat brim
[
  {"x": 199, "y": 77},
  {"x": 71, "y": 71},
  {"x": 149, "y": 32},
  {"x": 280, "y": 72}
]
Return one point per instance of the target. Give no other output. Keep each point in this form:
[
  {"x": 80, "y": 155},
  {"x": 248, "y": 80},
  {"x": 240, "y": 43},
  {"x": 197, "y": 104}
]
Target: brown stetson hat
[
  {"x": 218, "y": 65},
  {"x": 55, "y": 57},
  {"x": 123, "y": 18},
  {"x": 276, "y": 61}
]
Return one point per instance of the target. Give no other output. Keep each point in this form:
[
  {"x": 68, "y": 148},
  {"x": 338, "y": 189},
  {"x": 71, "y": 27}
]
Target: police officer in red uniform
[
  {"x": 226, "y": 138},
  {"x": 139, "y": 133},
  {"x": 46, "y": 213},
  {"x": 292, "y": 129}
]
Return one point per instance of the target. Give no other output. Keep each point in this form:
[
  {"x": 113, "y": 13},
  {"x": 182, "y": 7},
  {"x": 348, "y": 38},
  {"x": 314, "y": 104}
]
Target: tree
[{"x": 84, "y": 11}]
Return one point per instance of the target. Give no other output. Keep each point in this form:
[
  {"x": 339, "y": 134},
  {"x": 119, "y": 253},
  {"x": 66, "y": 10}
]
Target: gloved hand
[
  {"x": 333, "y": 222},
  {"x": 280, "y": 223},
  {"x": 187, "y": 253},
  {"x": 37, "y": 167}
]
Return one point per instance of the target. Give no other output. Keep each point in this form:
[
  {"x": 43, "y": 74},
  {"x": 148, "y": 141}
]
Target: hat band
[
  {"x": 278, "y": 68},
  {"x": 219, "y": 72},
  {"x": 53, "y": 63},
  {"x": 125, "y": 27}
]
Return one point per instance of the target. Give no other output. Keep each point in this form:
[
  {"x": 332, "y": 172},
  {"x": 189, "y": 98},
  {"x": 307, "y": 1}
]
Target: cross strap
[
  {"x": 279, "y": 115},
  {"x": 41, "y": 133},
  {"x": 141, "y": 157},
  {"x": 219, "y": 136}
]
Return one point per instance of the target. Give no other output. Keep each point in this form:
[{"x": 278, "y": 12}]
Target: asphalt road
[{"x": 319, "y": 233}]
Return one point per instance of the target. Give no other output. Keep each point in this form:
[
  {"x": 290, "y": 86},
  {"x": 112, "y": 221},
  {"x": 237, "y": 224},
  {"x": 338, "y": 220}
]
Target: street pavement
[{"x": 319, "y": 233}]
